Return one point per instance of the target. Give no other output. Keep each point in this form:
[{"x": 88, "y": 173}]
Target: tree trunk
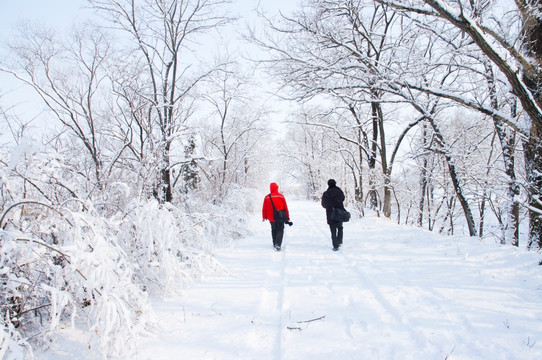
[
  {"x": 361, "y": 139},
  {"x": 358, "y": 189},
  {"x": 533, "y": 147},
  {"x": 512, "y": 192},
  {"x": 461, "y": 197},
  {"x": 386, "y": 207},
  {"x": 373, "y": 196},
  {"x": 533, "y": 164},
  {"x": 386, "y": 171},
  {"x": 358, "y": 193},
  {"x": 456, "y": 184},
  {"x": 532, "y": 42},
  {"x": 423, "y": 177},
  {"x": 164, "y": 186},
  {"x": 507, "y": 138}
]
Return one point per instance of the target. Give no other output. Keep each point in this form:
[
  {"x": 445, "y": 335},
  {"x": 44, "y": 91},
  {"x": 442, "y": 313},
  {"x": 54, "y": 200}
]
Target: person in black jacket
[{"x": 333, "y": 198}]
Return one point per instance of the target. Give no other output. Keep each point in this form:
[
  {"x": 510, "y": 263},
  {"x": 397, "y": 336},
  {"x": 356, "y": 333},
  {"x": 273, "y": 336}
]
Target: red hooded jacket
[{"x": 278, "y": 200}]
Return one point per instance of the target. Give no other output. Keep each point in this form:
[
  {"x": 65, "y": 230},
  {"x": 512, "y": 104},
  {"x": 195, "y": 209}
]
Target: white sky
[
  {"x": 56, "y": 13},
  {"x": 61, "y": 15}
]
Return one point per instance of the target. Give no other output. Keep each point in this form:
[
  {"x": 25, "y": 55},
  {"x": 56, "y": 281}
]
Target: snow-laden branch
[
  {"x": 470, "y": 103},
  {"x": 482, "y": 38},
  {"x": 27, "y": 202}
]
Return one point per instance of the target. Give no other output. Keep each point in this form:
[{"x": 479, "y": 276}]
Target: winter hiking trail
[{"x": 391, "y": 292}]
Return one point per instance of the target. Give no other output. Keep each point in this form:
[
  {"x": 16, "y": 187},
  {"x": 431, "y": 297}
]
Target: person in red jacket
[{"x": 277, "y": 227}]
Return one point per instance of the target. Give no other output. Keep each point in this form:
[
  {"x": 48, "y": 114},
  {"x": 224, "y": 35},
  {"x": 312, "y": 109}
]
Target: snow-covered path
[{"x": 391, "y": 292}]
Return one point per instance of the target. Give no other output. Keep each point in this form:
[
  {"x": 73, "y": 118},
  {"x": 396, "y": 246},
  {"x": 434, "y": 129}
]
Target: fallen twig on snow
[
  {"x": 294, "y": 328},
  {"x": 308, "y": 321},
  {"x": 304, "y": 322}
]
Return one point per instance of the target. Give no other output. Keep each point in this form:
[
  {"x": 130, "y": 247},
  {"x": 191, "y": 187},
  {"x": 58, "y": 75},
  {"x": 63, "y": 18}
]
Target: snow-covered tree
[
  {"x": 233, "y": 132},
  {"x": 509, "y": 34},
  {"x": 82, "y": 238},
  {"x": 163, "y": 34},
  {"x": 71, "y": 78},
  {"x": 347, "y": 50},
  {"x": 376, "y": 54}
]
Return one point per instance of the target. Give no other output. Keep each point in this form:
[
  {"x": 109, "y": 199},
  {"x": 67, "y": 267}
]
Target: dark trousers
[
  {"x": 336, "y": 234},
  {"x": 277, "y": 232}
]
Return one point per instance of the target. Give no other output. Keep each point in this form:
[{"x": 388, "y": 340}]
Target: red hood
[{"x": 274, "y": 187}]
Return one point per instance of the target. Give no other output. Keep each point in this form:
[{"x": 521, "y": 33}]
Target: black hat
[{"x": 331, "y": 183}]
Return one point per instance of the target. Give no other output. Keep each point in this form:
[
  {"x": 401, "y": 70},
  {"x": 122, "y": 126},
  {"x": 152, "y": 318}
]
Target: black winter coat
[{"x": 332, "y": 198}]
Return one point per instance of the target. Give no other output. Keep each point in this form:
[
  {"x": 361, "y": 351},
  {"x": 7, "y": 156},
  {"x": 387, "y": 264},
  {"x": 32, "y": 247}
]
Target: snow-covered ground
[{"x": 391, "y": 292}]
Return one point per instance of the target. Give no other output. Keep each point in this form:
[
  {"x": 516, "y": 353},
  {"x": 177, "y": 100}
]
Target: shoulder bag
[
  {"x": 279, "y": 215},
  {"x": 339, "y": 215}
]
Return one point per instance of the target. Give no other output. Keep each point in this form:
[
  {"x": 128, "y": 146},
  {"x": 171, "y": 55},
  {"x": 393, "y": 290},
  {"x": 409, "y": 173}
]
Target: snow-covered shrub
[
  {"x": 166, "y": 244},
  {"x": 91, "y": 260},
  {"x": 12, "y": 344},
  {"x": 61, "y": 260},
  {"x": 80, "y": 274},
  {"x": 96, "y": 272},
  {"x": 173, "y": 245},
  {"x": 93, "y": 264}
]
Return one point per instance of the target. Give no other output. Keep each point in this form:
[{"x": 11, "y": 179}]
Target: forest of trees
[
  {"x": 153, "y": 146},
  {"x": 429, "y": 109}
]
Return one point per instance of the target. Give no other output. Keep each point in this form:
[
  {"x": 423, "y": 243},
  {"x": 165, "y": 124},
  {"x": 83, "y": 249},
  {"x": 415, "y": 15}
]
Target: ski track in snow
[{"x": 391, "y": 292}]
